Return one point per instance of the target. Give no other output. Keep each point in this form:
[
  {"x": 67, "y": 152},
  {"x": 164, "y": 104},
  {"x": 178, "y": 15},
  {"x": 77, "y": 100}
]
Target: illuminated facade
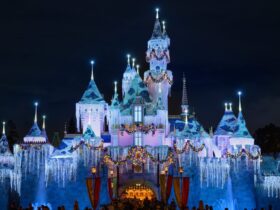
[{"x": 135, "y": 138}]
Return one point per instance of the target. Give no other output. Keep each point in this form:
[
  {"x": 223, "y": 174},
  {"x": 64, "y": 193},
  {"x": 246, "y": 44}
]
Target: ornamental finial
[
  {"x": 230, "y": 106},
  {"x": 115, "y": 87},
  {"x": 226, "y": 107},
  {"x": 240, "y": 105},
  {"x": 163, "y": 26},
  {"x": 133, "y": 62},
  {"x": 128, "y": 59},
  {"x": 92, "y": 63},
  {"x": 44, "y": 122},
  {"x": 35, "y": 117},
  {"x": 137, "y": 68},
  {"x": 4, "y": 128},
  {"x": 157, "y": 11}
]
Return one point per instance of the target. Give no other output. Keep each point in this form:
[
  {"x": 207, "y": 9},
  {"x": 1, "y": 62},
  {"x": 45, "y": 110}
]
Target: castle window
[
  {"x": 137, "y": 114},
  {"x": 138, "y": 139}
]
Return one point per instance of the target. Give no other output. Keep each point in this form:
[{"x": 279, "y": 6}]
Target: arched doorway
[{"x": 138, "y": 191}]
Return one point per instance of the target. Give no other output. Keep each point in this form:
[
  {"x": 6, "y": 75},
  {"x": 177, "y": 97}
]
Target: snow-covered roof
[
  {"x": 34, "y": 131},
  {"x": 130, "y": 69},
  {"x": 193, "y": 130},
  {"x": 227, "y": 124},
  {"x": 241, "y": 130},
  {"x": 137, "y": 88},
  {"x": 92, "y": 94},
  {"x": 157, "y": 33},
  {"x": 44, "y": 134},
  {"x": 89, "y": 133},
  {"x": 115, "y": 101},
  {"x": 4, "y": 146}
]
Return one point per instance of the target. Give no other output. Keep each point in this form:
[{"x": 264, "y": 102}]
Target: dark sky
[{"x": 222, "y": 46}]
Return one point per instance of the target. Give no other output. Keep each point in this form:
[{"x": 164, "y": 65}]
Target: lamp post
[
  {"x": 181, "y": 171},
  {"x": 93, "y": 171}
]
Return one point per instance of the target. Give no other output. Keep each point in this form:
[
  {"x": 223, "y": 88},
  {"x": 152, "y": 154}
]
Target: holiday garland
[
  {"x": 37, "y": 146},
  {"x": 153, "y": 54},
  {"x": 91, "y": 147},
  {"x": 163, "y": 77},
  {"x": 188, "y": 146},
  {"x": 131, "y": 129},
  {"x": 138, "y": 155},
  {"x": 246, "y": 152}
]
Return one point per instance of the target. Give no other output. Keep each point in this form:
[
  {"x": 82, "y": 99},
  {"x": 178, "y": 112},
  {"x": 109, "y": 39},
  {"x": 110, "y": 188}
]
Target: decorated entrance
[{"x": 138, "y": 191}]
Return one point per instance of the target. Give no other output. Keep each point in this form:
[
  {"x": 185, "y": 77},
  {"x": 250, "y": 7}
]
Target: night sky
[{"x": 222, "y": 46}]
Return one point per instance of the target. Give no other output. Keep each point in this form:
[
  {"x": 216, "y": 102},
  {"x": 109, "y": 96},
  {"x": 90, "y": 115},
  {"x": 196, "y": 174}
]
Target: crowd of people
[{"x": 130, "y": 204}]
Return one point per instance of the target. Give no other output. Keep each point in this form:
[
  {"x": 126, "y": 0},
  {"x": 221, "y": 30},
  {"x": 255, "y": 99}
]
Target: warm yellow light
[
  {"x": 93, "y": 170},
  {"x": 181, "y": 170}
]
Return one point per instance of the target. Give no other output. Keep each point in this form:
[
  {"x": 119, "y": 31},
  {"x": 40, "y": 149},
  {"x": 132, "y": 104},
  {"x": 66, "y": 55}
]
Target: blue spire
[
  {"x": 115, "y": 101},
  {"x": 4, "y": 143},
  {"x": 35, "y": 130},
  {"x": 228, "y": 122},
  {"x": 240, "y": 129},
  {"x": 92, "y": 94},
  {"x": 137, "y": 88},
  {"x": 157, "y": 27}
]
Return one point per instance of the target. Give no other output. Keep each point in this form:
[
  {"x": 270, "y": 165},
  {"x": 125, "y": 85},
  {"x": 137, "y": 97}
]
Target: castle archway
[{"x": 138, "y": 189}]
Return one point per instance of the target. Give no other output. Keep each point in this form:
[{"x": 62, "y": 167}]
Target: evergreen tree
[
  {"x": 71, "y": 127},
  {"x": 12, "y": 134},
  {"x": 56, "y": 139},
  {"x": 268, "y": 138}
]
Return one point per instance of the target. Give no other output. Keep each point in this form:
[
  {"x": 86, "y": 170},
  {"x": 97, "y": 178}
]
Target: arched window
[
  {"x": 137, "y": 114},
  {"x": 138, "y": 138}
]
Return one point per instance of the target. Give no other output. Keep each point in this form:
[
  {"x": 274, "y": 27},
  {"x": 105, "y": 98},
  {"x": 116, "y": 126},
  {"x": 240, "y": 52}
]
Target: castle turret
[
  {"x": 241, "y": 135},
  {"x": 225, "y": 128},
  {"x": 35, "y": 135},
  {"x": 93, "y": 104},
  {"x": 128, "y": 75},
  {"x": 157, "y": 55},
  {"x": 44, "y": 132},
  {"x": 114, "y": 116}
]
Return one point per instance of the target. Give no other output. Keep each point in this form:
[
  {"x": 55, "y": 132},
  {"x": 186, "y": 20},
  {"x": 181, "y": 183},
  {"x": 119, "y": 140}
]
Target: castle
[{"x": 139, "y": 120}]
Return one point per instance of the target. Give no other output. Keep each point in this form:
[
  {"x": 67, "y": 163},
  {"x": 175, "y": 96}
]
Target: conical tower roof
[
  {"x": 92, "y": 94},
  {"x": 193, "y": 130},
  {"x": 157, "y": 32},
  {"x": 115, "y": 101},
  {"x": 241, "y": 131},
  {"x": 4, "y": 145},
  {"x": 34, "y": 131},
  {"x": 137, "y": 88},
  {"x": 227, "y": 124},
  {"x": 89, "y": 133},
  {"x": 44, "y": 133}
]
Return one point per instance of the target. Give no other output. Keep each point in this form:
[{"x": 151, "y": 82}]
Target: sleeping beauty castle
[{"x": 131, "y": 147}]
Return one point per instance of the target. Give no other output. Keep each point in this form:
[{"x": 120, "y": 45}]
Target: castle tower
[
  {"x": 91, "y": 106},
  {"x": 35, "y": 135},
  {"x": 157, "y": 55},
  {"x": 114, "y": 116},
  {"x": 128, "y": 75}
]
